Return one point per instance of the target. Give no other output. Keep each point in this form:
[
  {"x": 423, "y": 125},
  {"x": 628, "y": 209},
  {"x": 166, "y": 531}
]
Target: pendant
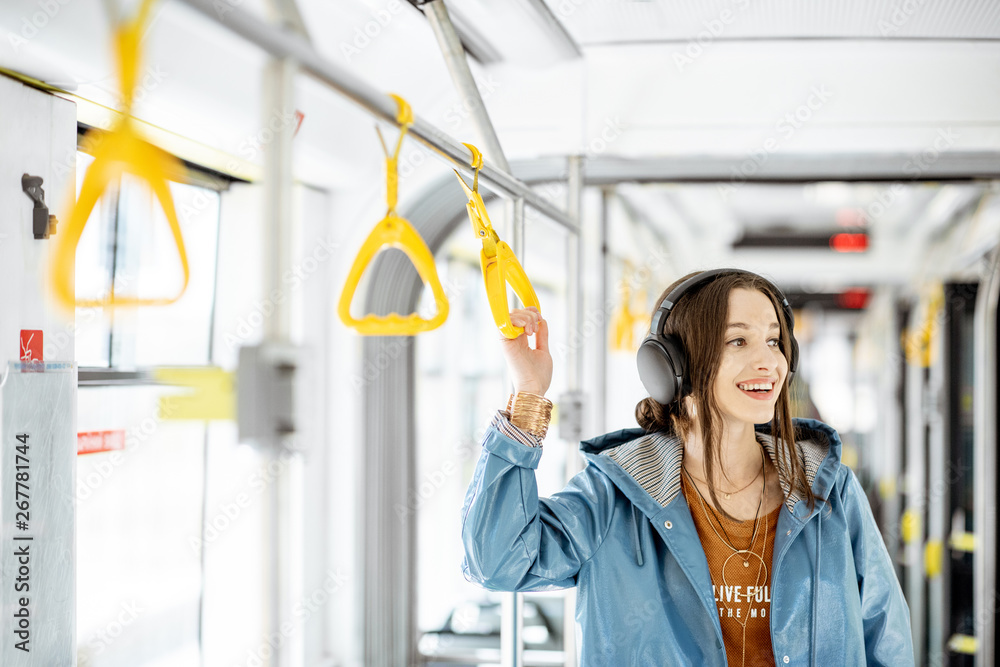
[
  {"x": 746, "y": 563},
  {"x": 728, "y": 496}
]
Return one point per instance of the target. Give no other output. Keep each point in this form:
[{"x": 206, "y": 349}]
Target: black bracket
[{"x": 42, "y": 224}]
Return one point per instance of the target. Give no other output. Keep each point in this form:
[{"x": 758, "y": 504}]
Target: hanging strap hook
[
  {"x": 499, "y": 264},
  {"x": 404, "y": 116}
]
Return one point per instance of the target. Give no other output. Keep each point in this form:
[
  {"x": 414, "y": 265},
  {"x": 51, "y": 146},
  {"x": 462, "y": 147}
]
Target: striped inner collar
[{"x": 654, "y": 462}]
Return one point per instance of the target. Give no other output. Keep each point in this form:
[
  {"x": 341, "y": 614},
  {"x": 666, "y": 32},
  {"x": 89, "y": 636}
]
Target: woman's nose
[{"x": 764, "y": 358}]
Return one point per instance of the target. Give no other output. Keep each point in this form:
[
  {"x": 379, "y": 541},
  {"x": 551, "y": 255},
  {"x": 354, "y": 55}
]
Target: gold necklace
[
  {"x": 731, "y": 493},
  {"x": 753, "y": 535},
  {"x": 746, "y": 563}
]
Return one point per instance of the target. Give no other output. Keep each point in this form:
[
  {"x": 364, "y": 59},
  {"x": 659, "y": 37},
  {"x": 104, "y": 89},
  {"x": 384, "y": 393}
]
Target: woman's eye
[
  {"x": 774, "y": 342},
  {"x": 737, "y": 342}
]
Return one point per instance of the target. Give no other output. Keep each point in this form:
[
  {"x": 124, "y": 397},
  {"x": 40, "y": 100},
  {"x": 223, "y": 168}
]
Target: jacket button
[
  {"x": 785, "y": 660},
  {"x": 788, "y": 533},
  {"x": 668, "y": 524}
]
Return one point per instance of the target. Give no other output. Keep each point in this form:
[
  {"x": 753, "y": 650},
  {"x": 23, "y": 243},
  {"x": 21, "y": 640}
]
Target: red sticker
[
  {"x": 91, "y": 442},
  {"x": 31, "y": 345},
  {"x": 299, "y": 116}
]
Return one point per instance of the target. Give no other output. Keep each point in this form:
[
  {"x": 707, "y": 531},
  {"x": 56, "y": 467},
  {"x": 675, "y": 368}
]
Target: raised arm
[{"x": 514, "y": 540}]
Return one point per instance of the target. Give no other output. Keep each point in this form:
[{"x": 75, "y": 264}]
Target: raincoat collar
[{"x": 647, "y": 466}]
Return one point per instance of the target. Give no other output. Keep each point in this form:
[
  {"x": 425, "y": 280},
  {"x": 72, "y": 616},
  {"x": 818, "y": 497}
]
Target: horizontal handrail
[{"x": 284, "y": 44}]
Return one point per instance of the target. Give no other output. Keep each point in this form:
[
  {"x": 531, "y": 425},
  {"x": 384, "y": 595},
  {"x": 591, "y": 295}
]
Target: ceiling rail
[{"x": 283, "y": 44}]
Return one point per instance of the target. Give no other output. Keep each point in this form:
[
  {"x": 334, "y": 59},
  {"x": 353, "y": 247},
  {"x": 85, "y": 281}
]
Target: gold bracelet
[{"x": 531, "y": 413}]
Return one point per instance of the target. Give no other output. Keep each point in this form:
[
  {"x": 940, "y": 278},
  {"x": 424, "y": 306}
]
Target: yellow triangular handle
[
  {"x": 499, "y": 271},
  {"x": 393, "y": 232},
  {"x": 120, "y": 151}
]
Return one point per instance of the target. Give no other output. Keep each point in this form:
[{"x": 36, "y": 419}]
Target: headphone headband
[{"x": 662, "y": 361}]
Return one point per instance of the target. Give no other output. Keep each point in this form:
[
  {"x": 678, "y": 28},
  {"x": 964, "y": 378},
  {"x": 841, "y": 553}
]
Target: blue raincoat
[{"x": 622, "y": 533}]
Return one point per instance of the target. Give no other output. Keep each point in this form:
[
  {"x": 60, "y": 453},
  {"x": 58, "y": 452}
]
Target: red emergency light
[
  {"x": 853, "y": 299},
  {"x": 849, "y": 242}
]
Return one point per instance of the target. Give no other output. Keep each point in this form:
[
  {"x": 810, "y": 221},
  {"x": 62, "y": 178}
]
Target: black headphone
[{"x": 661, "y": 359}]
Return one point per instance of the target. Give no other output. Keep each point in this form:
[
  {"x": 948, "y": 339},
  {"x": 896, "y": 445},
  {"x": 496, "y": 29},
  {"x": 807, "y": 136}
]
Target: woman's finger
[
  {"x": 526, "y": 318},
  {"x": 542, "y": 339}
]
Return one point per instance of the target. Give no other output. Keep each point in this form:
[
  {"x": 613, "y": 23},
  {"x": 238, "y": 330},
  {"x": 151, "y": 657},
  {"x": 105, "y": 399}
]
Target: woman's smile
[{"x": 760, "y": 389}]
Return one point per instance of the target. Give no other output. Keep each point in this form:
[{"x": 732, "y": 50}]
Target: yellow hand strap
[
  {"x": 626, "y": 317},
  {"x": 395, "y": 232},
  {"x": 499, "y": 264},
  {"x": 118, "y": 152},
  {"x": 919, "y": 346}
]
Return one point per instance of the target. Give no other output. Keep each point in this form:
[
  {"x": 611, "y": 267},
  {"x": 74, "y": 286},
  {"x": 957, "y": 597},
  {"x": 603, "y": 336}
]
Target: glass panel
[
  {"x": 235, "y": 551},
  {"x": 139, "y": 510},
  {"x": 93, "y": 274},
  {"x": 460, "y": 385},
  {"x": 148, "y": 266}
]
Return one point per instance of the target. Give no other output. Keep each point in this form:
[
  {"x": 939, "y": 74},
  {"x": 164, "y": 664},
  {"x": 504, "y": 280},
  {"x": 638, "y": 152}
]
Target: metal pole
[
  {"x": 937, "y": 501},
  {"x": 512, "y": 604},
  {"x": 574, "y": 368},
  {"x": 281, "y": 539},
  {"x": 458, "y": 66},
  {"x": 601, "y": 379},
  {"x": 518, "y": 229},
  {"x": 985, "y": 458},
  {"x": 283, "y": 44},
  {"x": 574, "y": 269},
  {"x": 913, "y": 515}
]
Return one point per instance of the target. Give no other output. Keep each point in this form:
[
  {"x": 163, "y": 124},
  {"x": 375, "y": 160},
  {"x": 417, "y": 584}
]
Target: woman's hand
[{"x": 530, "y": 369}]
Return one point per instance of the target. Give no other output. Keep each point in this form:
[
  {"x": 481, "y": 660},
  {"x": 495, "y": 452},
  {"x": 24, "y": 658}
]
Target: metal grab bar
[
  {"x": 283, "y": 44},
  {"x": 984, "y": 454}
]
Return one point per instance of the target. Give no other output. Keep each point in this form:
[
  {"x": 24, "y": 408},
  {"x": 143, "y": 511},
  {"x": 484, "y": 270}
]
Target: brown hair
[{"x": 699, "y": 319}]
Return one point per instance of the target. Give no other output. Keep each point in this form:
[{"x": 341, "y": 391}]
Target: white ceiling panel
[{"x": 593, "y": 22}]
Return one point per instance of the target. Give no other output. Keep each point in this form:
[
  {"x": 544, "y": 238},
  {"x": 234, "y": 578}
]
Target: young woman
[{"x": 721, "y": 532}]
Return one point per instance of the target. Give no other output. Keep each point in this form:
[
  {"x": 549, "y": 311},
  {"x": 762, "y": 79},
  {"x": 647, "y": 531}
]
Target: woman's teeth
[{"x": 767, "y": 386}]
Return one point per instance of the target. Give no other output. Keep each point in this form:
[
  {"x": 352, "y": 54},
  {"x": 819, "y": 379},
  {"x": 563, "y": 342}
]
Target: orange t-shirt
[{"x": 742, "y": 591}]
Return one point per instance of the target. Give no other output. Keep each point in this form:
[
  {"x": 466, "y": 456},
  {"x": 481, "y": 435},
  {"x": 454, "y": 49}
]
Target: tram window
[
  {"x": 460, "y": 384},
  {"x": 138, "y": 580},
  {"x": 151, "y": 533},
  {"x": 93, "y": 275},
  {"x": 127, "y": 245}
]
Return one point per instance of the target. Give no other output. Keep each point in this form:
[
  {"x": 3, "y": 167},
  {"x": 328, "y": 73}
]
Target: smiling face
[{"x": 752, "y": 369}]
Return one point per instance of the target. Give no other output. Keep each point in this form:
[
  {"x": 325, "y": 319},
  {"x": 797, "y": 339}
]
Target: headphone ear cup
[{"x": 662, "y": 365}]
